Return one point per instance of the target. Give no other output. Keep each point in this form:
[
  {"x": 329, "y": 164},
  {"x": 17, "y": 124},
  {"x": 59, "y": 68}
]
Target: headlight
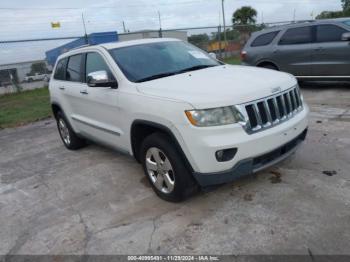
[{"x": 215, "y": 116}]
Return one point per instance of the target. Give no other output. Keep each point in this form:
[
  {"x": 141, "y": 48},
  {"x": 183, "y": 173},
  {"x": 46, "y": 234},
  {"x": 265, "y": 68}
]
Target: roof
[
  {"x": 113, "y": 45},
  {"x": 137, "y": 42},
  {"x": 304, "y": 23},
  {"x": 24, "y": 62}
]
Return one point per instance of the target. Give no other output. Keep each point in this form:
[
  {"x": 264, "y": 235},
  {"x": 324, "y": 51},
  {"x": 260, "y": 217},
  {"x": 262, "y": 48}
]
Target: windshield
[{"x": 150, "y": 61}]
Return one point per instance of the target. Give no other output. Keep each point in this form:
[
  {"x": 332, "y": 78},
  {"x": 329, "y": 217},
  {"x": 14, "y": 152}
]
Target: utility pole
[
  {"x": 124, "y": 27},
  {"x": 160, "y": 25},
  {"x": 224, "y": 22},
  {"x": 219, "y": 38},
  {"x": 85, "y": 34},
  {"x": 294, "y": 15}
]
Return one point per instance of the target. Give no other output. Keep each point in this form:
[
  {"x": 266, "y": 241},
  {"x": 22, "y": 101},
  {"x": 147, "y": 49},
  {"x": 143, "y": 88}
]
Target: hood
[{"x": 219, "y": 86}]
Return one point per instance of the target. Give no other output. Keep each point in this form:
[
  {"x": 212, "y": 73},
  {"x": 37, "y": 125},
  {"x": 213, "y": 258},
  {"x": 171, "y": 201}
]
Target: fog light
[{"x": 225, "y": 155}]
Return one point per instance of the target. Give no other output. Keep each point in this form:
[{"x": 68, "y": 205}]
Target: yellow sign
[
  {"x": 215, "y": 46},
  {"x": 55, "y": 24}
]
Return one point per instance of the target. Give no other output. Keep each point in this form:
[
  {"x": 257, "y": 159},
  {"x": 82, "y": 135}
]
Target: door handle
[
  {"x": 61, "y": 87},
  {"x": 84, "y": 92},
  {"x": 318, "y": 49}
]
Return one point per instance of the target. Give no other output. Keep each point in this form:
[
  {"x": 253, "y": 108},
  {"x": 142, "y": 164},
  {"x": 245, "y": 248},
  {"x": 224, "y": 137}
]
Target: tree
[
  {"x": 39, "y": 67},
  {"x": 200, "y": 40},
  {"x": 331, "y": 14},
  {"x": 346, "y": 5},
  {"x": 336, "y": 14},
  {"x": 244, "y": 20},
  {"x": 231, "y": 35},
  {"x": 245, "y": 15}
]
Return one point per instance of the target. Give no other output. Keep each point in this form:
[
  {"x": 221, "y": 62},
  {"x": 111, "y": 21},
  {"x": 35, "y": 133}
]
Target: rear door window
[
  {"x": 295, "y": 36},
  {"x": 329, "y": 33},
  {"x": 264, "y": 39},
  {"x": 74, "y": 68},
  {"x": 60, "y": 72}
]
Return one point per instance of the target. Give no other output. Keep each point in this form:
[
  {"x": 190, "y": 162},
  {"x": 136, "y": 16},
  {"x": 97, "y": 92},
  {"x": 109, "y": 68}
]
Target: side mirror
[
  {"x": 100, "y": 79},
  {"x": 213, "y": 55},
  {"x": 345, "y": 36}
]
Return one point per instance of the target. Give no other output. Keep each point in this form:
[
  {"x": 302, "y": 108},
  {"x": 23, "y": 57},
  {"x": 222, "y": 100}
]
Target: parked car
[
  {"x": 37, "y": 77},
  {"x": 312, "y": 50},
  {"x": 189, "y": 119}
]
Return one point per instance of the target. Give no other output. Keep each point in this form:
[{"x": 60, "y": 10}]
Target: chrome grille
[{"x": 270, "y": 111}]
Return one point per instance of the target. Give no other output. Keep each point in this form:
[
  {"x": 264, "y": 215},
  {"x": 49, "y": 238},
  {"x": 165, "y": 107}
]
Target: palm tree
[
  {"x": 244, "y": 20},
  {"x": 244, "y": 16}
]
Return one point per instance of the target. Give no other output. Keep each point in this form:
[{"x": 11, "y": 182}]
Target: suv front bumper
[
  {"x": 251, "y": 165},
  {"x": 201, "y": 144}
]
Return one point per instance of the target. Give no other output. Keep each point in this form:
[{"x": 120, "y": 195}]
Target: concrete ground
[{"x": 97, "y": 201}]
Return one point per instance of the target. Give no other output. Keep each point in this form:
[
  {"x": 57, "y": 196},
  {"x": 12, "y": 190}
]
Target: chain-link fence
[
  {"x": 18, "y": 75},
  {"x": 23, "y": 76}
]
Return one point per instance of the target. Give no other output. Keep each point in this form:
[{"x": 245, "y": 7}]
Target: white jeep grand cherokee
[{"x": 189, "y": 119}]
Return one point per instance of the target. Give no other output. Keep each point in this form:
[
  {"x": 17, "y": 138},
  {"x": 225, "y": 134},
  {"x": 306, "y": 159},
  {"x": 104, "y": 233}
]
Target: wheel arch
[
  {"x": 140, "y": 129},
  {"x": 58, "y": 108},
  {"x": 55, "y": 109},
  {"x": 261, "y": 63}
]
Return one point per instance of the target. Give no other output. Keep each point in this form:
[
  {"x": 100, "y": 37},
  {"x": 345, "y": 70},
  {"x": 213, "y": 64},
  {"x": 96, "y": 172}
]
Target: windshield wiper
[
  {"x": 193, "y": 68},
  {"x": 152, "y": 77}
]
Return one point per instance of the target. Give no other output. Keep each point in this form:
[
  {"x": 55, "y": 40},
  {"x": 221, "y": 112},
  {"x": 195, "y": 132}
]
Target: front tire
[
  {"x": 67, "y": 134},
  {"x": 165, "y": 169}
]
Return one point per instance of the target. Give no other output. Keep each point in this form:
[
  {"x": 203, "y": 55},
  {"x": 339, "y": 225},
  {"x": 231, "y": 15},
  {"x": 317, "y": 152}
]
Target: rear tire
[
  {"x": 165, "y": 169},
  {"x": 67, "y": 134}
]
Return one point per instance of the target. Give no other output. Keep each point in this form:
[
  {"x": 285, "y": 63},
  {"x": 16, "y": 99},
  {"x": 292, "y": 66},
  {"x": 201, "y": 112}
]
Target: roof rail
[
  {"x": 288, "y": 23},
  {"x": 78, "y": 47},
  {"x": 304, "y": 21}
]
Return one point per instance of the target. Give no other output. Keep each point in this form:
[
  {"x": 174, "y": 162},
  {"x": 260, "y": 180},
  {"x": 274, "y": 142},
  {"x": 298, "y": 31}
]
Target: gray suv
[{"x": 311, "y": 50}]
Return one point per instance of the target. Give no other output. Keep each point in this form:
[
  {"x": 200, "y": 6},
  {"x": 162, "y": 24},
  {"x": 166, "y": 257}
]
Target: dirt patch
[
  {"x": 145, "y": 181},
  {"x": 341, "y": 119},
  {"x": 276, "y": 178},
  {"x": 248, "y": 197}
]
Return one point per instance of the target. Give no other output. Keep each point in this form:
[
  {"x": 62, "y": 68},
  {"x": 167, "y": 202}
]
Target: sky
[{"x": 28, "y": 19}]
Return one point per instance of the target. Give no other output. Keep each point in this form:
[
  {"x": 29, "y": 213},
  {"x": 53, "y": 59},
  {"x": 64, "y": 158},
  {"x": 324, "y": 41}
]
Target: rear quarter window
[
  {"x": 265, "y": 39},
  {"x": 60, "y": 71},
  {"x": 74, "y": 73},
  {"x": 347, "y": 22}
]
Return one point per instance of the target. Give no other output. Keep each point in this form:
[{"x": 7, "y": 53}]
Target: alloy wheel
[
  {"x": 64, "y": 131},
  {"x": 160, "y": 170}
]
